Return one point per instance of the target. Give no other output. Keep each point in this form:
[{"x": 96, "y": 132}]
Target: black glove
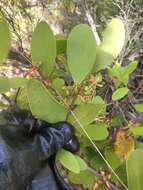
[{"x": 24, "y": 154}]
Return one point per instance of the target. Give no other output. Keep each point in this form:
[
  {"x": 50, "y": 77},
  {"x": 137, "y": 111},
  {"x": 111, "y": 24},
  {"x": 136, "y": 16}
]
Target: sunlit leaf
[
  {"x": 112, "y": 44},
  {"x": 135, "y": 170},
  {"x": 84, "y": 178},
  {"x": 68, "y": 160},
  {"x": 97, "y": 132},
  {"x": 43, "y": 105},
  {"x": 85, "y": 113},
  {"x": 43, "y": 48},
  {"x": 112, "y": 158},
  {"x": 4, "y": 85},
  {"x": 82, "y": 163},
  {"x": 137, "y": 130},
  {"x": 120, "y": 93},
  {"x": 139, "y": 107},
  {"x": 4, "y": 39},
  {"x": 81, "y": 52}
]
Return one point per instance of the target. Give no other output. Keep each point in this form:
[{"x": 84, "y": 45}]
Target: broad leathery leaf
[
  {"x": 139, "y": 107},
  {"x": 16, "y": 82},
  {"x": 4, "y": 85},
  {"x": 134, "y": 168},
  {"x": 22, "y": 100},
  {"x": 112, "y": 158},
  {"x": 61, "y": 43},
  {"x": 84, "y": 178},
  {"x": 114, "y": 36},
  {"x": 137, "y": 131},
  {"x": 104, "y": 59},
  {"x": 81, "y": 52},
  {"x": 86, "y": 113},
  {"x": 82, "y": 163},
  {"x": 4, "y": 39},
  {"x": 68, "y": 160},
  {"x": 43, "y": 48},
  {"x": 111, "y": 46},
  {"x": 120, "y": 93},
  {"x": 42, "y": 104},
  {"x": 97, "y": 132}
]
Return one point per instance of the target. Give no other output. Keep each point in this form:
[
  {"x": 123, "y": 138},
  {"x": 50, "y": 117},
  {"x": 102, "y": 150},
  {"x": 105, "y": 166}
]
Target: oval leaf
[
  {"x": 82, "y": 163},
  {"x": 81, "y": 52},
  {"x": 43, "y": 48},
  {"x": 112, "y": 44},
  {"x": 137, "y": 130},
  {"x": 97, "y": 132},
  {"x": 134, "y": 168},
  {"x": 139, "y": 107},
  {"x": 120, "y": 93},
  {"x": 43, "y": 105},
  {"x": 4, "y": 85},
  {"x": 4, "y": 40},
  {"x": 114, "y": 36},
  {"x": 68, "y": 160},
  {"x": 85, "y": 113}
]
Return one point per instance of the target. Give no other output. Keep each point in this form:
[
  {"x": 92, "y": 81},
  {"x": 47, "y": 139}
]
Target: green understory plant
[{"x": 61, "y": 85}]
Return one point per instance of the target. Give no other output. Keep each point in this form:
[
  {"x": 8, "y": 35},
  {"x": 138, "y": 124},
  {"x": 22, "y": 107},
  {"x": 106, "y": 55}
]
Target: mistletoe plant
[{"x": 61, "y": 85}]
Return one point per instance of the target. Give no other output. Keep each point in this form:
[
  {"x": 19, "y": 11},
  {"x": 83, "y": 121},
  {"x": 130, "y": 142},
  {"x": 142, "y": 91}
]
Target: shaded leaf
[
  {"x": 61, "y": 43},
  {"x": 135, "y": 170},
  {"x": 68, "y": 160},
  {"x": 43, "y": 48},
  {"x": 81, "y": 52},
  {"x": 43, "y": 105},
  {"x": 120, "y": 93}
]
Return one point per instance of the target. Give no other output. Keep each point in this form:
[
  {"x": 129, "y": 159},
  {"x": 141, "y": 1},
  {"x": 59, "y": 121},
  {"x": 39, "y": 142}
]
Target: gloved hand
[{"x": 25, "y": 154}]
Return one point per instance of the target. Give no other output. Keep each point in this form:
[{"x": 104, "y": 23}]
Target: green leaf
[
  {"x": 43, "y": 48},
  {"x": 59, "y": 84},
  {"x": 112, "y": 158},
  {"x": 4, "y": 39},
  {"x": 16, "y": 82},
  {"x": 120, "y": 93},
  {"x": 137, "y": 130},
  {"x": 4, "y": 85},
  {"x": 113, "y": 41},
  {"x": 98, "y": 100},
  {"x": 43, "y": 105},
  {"x": 139, "y": 107},
  {"x": 84, "y": 178},
  {"x": 68, "y": 160},
  {"x": 104, "y": 59},
  {"x": 81, "y": 52},
  {"x": 61, "y": 43},
  {"x": 85, "y": 113},
  {"x": 114, "y": 36},
  {"x": 97, "y": 132},
  {"x": 126, "y": 71},
  {"x": 134, "y": 168},
  {"x": 82, "y": 163}
]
